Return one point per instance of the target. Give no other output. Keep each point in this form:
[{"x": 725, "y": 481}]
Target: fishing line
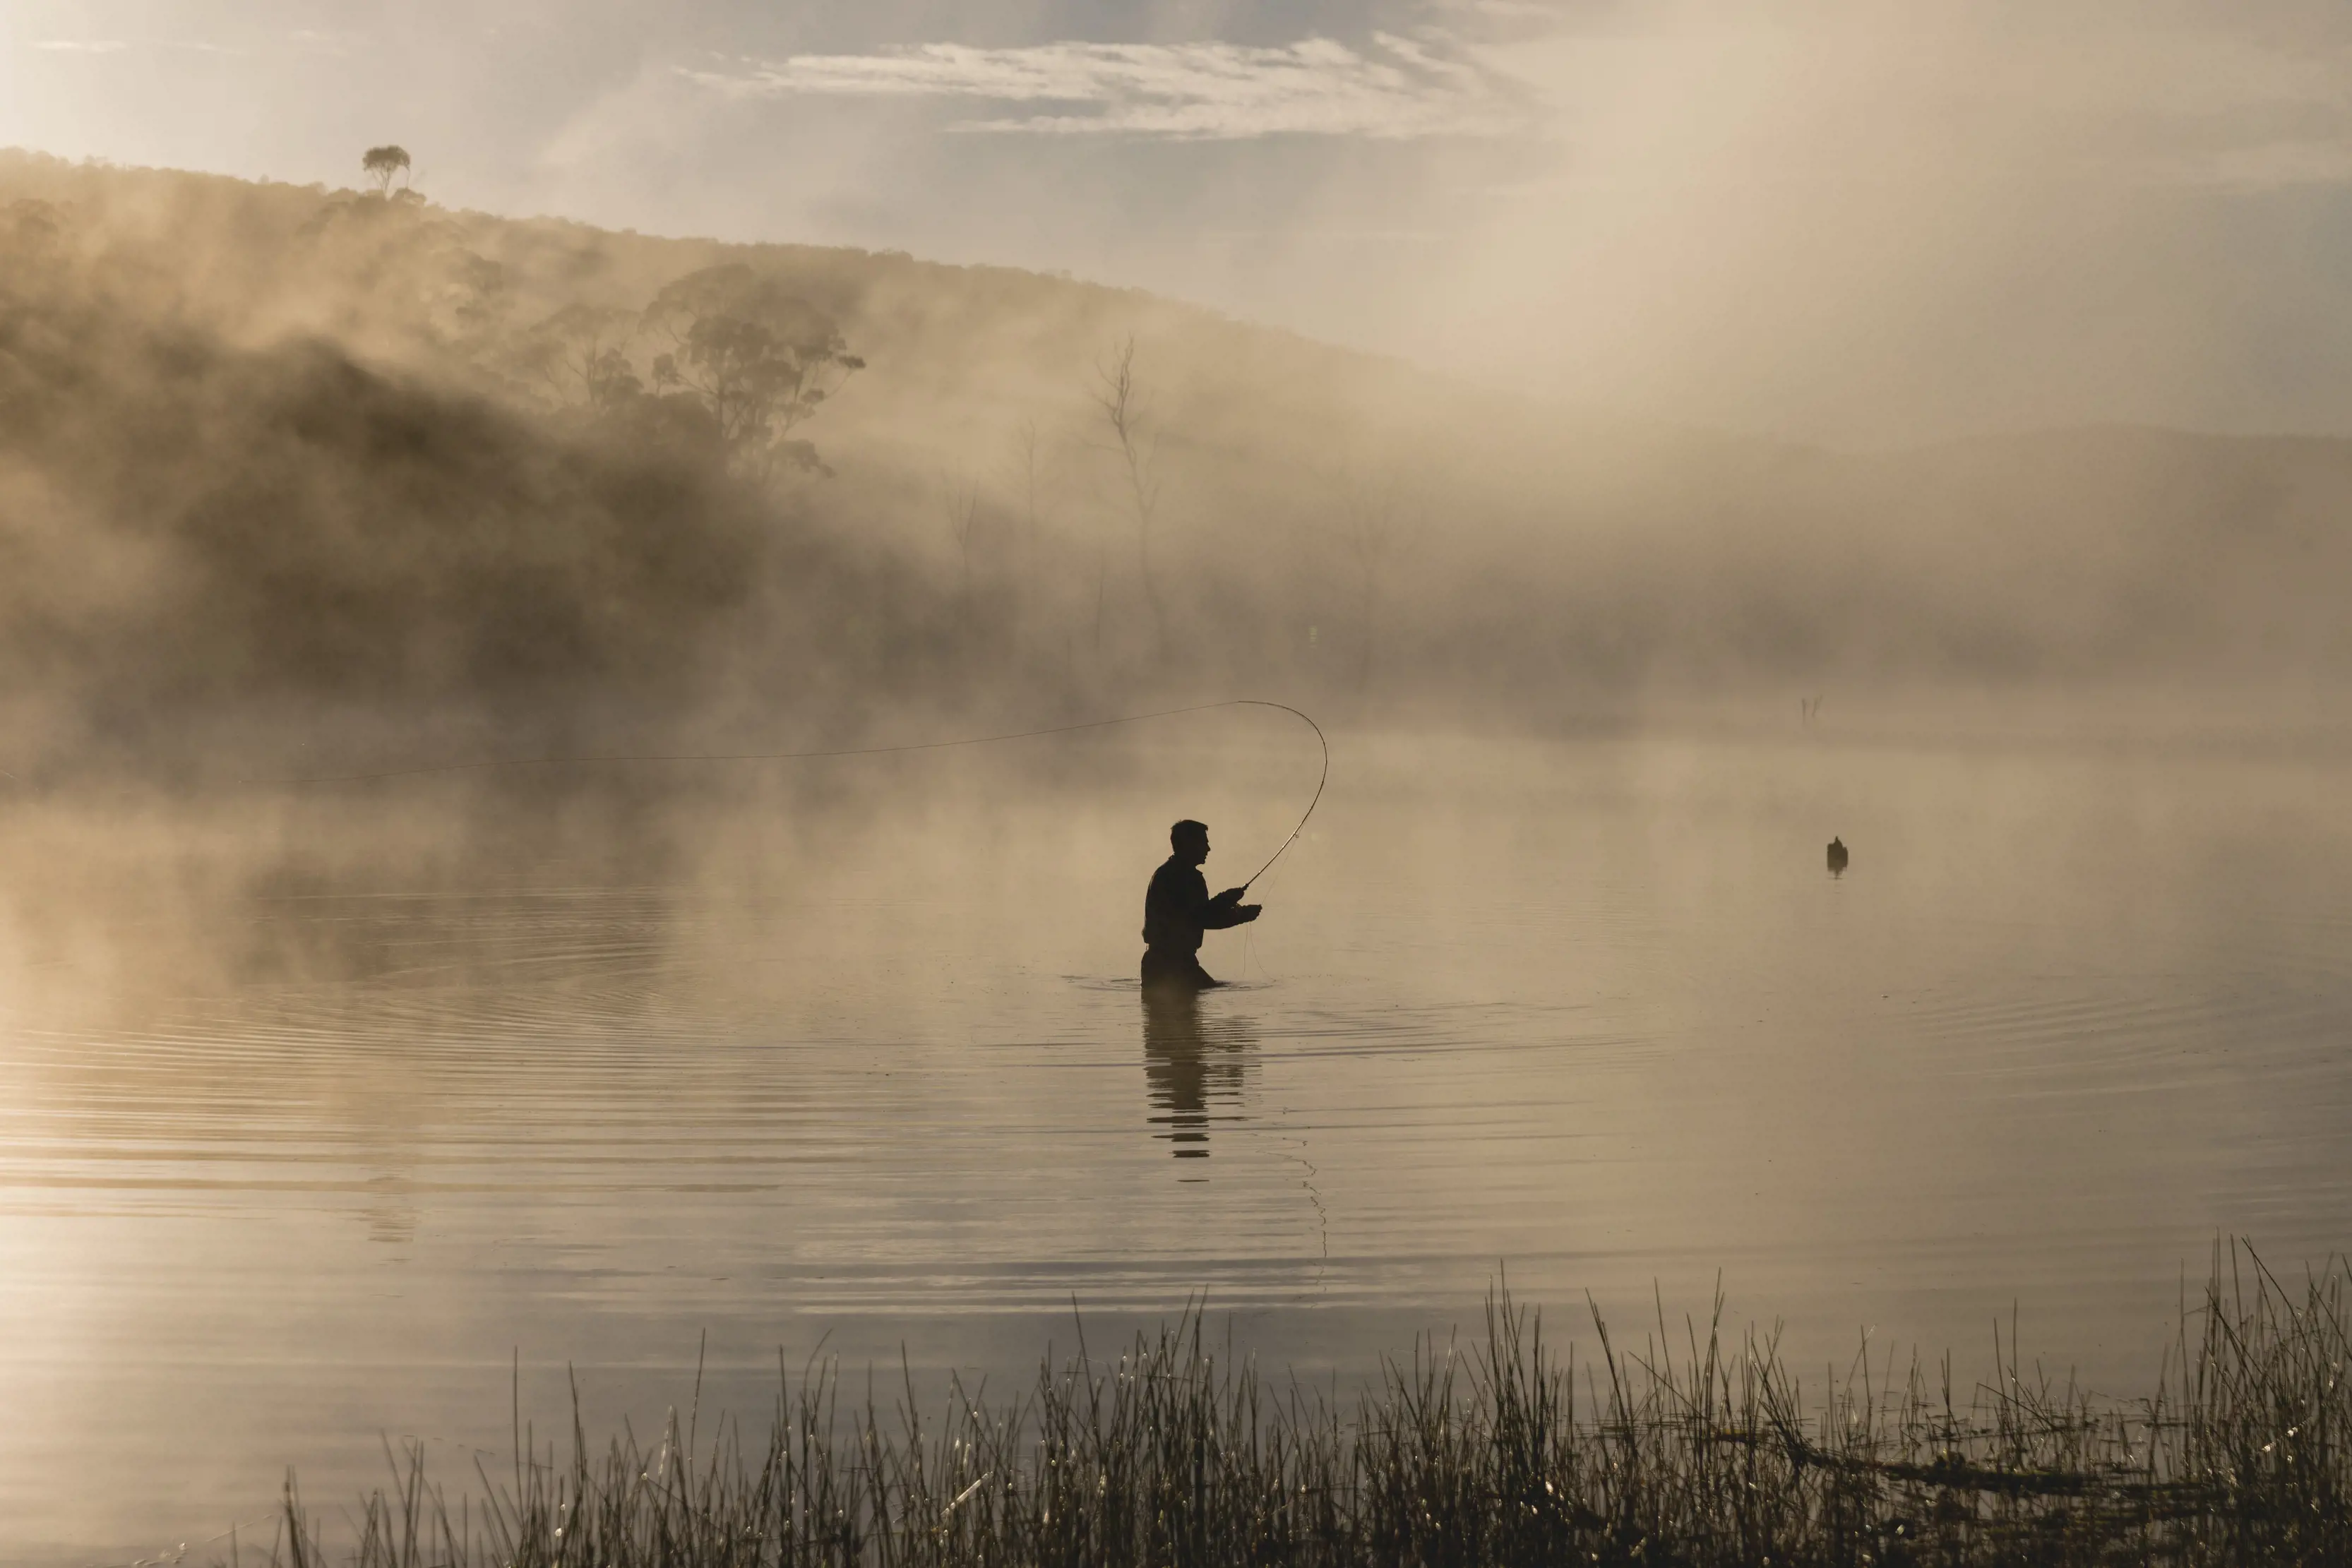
[{"x": 615, "y": 759}]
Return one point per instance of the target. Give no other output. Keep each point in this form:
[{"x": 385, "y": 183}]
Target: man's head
[{"x": 1190, "y": 839}]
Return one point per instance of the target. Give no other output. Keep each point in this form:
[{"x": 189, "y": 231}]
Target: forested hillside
[{"x": 345, "y": 471}]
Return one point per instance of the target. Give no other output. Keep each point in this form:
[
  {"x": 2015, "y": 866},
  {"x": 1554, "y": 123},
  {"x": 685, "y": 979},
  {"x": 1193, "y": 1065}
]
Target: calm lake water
[{"x": 321, "y": 1114}]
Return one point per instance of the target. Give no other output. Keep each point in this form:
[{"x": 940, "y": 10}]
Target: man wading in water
[{"x": 1179, "y": 908}]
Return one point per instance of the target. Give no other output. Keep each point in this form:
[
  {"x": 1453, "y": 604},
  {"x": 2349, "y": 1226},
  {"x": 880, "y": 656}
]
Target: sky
[{"x": 1860, "y": 223}]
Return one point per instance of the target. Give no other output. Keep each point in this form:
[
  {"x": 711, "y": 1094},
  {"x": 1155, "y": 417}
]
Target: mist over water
[{"x": 322, "y": 1108}]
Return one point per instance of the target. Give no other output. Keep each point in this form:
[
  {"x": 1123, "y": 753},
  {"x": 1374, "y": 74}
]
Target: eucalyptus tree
[
  {"x": 384, "y": 164},
  {"x": 760, "y": 360}
]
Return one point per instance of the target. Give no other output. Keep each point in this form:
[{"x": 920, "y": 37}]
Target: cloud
[
  {"x": 339, "y": 44},
  {"x": 1404, "y": 88},
  {"x": 1926, "y": 98},
  {"x": 120, "y": 46}
]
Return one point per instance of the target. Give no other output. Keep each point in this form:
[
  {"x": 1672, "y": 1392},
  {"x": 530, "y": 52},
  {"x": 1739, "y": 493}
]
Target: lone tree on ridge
[{"x": 383, "y": 162}]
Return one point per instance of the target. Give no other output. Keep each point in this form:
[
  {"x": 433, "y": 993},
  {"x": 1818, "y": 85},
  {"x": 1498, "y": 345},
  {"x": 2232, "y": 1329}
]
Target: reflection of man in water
[
  {"x": 1195, "y": 1070},
  {"x": 1177, "y": 909}
]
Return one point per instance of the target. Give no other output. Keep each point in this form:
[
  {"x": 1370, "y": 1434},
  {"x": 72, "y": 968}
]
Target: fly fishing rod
[{"x": 619, "y": 759}]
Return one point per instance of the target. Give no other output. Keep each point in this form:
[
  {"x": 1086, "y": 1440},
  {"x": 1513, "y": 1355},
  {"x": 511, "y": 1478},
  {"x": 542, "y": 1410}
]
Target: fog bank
[{"x": 374, "y": 479}]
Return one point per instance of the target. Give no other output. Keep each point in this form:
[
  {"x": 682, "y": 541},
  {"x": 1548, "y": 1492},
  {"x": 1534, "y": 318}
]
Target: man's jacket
[{"x": 1179, "y": 908}]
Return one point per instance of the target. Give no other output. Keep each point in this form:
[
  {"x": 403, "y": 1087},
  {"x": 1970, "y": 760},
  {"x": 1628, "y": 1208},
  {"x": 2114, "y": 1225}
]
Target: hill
[{"x": 280, "y": 461}]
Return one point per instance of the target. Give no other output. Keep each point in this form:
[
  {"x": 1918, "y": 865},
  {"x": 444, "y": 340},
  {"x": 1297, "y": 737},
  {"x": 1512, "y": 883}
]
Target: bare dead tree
[
  {"x": 580, "y": 354},
  {"x": 1102, "y": 589},
  {"x": 1027, "y": 465},
  {"x": 1380, "y": 521},
  {"x": 959, "y": 502},
  {"x": 1120, "y": 398},
  {"x": 1025, "y": 458}
]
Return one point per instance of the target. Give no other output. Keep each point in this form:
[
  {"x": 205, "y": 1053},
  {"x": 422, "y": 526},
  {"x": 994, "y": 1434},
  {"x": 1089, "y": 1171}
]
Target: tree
[
  {"x": 762, "y": 361},
  {"x": 463, "y": 296},
  {"x": 580, "y": 355},
  {"x": 31, "y": 227},
  {"x": 1120, "y": 398},
  {"x": 959, "y": 502},
  {"x": 1378, "y": 521},
  {"x": 1027, "y": 472},
  {"x": 383, "y": 163},
  {"x": 1026, "y": 463}
]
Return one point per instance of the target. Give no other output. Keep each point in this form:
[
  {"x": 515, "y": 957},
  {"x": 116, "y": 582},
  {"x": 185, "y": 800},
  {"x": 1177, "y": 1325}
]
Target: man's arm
[{"x": 1227, "y": 910}]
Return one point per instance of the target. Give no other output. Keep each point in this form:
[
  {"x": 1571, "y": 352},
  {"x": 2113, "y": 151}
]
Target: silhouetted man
[{"x": 1177, "y": 909}]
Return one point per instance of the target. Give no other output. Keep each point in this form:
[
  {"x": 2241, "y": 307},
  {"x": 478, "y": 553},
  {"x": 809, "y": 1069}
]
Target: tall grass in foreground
[{"x": 1698, "y": 1451}]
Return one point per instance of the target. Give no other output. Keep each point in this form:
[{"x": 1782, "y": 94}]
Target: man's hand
[
  {"x": 1248, "y": 912},
  {"x": 1231, "y": 895}
]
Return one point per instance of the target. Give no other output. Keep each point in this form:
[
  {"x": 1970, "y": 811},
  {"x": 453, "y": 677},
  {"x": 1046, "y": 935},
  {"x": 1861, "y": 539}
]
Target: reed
[{"x": 1702, "y": 1449}]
